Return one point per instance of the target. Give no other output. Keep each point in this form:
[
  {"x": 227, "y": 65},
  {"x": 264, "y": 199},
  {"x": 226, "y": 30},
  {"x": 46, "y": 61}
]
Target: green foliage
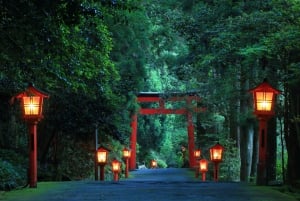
[
  {"x": 230, "y": 168},
  {"x": 168, "y": 133},
  {"x": 129, "y": 30},
  {"x": 12, "y": 170},
  {"x": 64, "y": 48},
  {"x": 75, "y": 161},
  {"x": 149, "y": 133},
  {"x": 9, "y": 176},
  {"x": 153, "y": 155},
  {"x": 279, "y": 167}
]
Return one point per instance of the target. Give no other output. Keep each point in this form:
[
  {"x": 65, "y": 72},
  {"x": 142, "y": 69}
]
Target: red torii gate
[{"x": 190, "y": 99}]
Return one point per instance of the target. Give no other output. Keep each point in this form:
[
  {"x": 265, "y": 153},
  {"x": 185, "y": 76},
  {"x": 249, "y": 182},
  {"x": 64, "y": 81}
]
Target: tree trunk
[
  {"x": 246, "y": 137},
  {"x": 293, "y": 165},
  {"x": 233, "y": 124},
  {"x": 292, "y": 133},
  {"x": 246, "y": 143},
  {"x": 254, "y": 155}
]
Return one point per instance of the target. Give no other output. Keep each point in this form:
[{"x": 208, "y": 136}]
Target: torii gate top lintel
[
  {"x": 175, "y": 96},
  {"x": 161, "y": 94},
  {"x": 161, "y": 98}
]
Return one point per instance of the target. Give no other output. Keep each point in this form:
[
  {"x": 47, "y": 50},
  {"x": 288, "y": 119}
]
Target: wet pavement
[{"x": 152, "y": 185}]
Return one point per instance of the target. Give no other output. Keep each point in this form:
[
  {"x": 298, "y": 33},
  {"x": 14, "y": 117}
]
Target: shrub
[
  {"x": 13, "y": 170},
  {"x": 9, "y": 176}
]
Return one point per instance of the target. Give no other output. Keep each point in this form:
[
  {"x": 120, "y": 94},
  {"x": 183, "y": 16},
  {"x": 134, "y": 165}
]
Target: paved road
[{"x": 150, "y": 185}]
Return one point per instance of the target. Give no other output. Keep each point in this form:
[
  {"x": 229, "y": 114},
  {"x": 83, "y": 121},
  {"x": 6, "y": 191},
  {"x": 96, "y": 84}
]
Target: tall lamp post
[
  {"x": 264, "y": 101},
  {"x": 32, "y": 105},
  {"x": 126, "y": 156},
  {"x": 102, "y": 158},
  {"x": 216, "y": 155}
]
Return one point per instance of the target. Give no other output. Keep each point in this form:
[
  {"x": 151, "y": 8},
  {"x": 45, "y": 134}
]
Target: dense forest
[{"x": 94, "y": 56}]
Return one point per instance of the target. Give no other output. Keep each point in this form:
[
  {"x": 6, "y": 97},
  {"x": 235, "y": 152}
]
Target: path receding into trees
[{"x": 147, "y": 185}]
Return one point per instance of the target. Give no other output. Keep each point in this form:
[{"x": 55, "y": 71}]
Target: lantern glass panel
[
  {"x": 216, "y": 154},
  {"x": 197, "y": 153},
  {"x": 102, "y": 156},
  {"x": 264, "y": 101},
  {"x": 153, "y": 163},
  {"x": 126, "y": 153},
  {"x": 31, "y": 105},
  {"x": 203, "y": 165},
  {"x": 116, "y": 166}
]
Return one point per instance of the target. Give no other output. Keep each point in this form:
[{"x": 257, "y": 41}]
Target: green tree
[{"x": 64, "y": 48}]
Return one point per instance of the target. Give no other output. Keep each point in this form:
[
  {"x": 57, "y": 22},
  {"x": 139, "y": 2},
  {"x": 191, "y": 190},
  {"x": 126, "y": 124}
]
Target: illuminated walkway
[{"x": 147, "y": 185}]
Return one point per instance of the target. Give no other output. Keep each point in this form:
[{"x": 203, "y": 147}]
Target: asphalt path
[{"x": 152, "y": 185}]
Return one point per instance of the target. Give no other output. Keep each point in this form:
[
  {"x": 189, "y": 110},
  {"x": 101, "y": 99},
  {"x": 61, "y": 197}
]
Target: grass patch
[
  {"x": 26, "y": 193},
  {"x": 282, "y": 191},
  {"x": 288, "y": 190}
]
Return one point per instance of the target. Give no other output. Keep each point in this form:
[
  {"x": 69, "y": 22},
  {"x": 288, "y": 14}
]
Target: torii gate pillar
[
  {"x": 132, "y": 159},
  {"x": 191, "y": 140}
]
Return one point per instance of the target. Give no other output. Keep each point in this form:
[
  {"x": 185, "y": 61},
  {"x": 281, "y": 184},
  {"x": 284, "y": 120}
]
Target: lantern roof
[
  {"x": 103, "y": 148},
  {"x": 203, "y": 160},
  {"x": 32, "y": 91},
  {"x": 264, "y": 86},
  {"x": 115, "y": 160},
  {"x": 217, "y": 146}
]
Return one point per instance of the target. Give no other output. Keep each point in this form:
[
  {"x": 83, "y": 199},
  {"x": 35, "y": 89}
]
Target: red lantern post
[
  {"x": 102, "y": 158},
  {"x": 216, "y": 154},
  {"x": 203, "y": 165},
  {"x": 197, "y": 154},
  {"x": 32, "y": 105},
  {"x": 126, "y": 155},
  {"x": 116, "y": 168},
  {"x": 264, "y": 102}
]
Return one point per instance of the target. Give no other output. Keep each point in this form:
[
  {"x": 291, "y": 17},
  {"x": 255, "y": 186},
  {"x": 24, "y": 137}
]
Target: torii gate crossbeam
[{"x": 190, "y": 99}]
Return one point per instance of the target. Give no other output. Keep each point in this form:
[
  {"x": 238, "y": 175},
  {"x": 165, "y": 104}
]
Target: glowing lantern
[
  {"x": 102, "y": 158},
  {"x": 116, "y": 168},
  {"x": 216, "y": 154},
  {"x": 32, "y": 103},
  {"x": 153, "y": 164},
  {"x": 102, "y": 155},
  {"x": 126, "y": 155},
  {"x": 31, "y": 106},
  {"x": 203, "y": 165},
  {"x": 197, "y": 153},
  {"x": 264, "y": 99}
]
